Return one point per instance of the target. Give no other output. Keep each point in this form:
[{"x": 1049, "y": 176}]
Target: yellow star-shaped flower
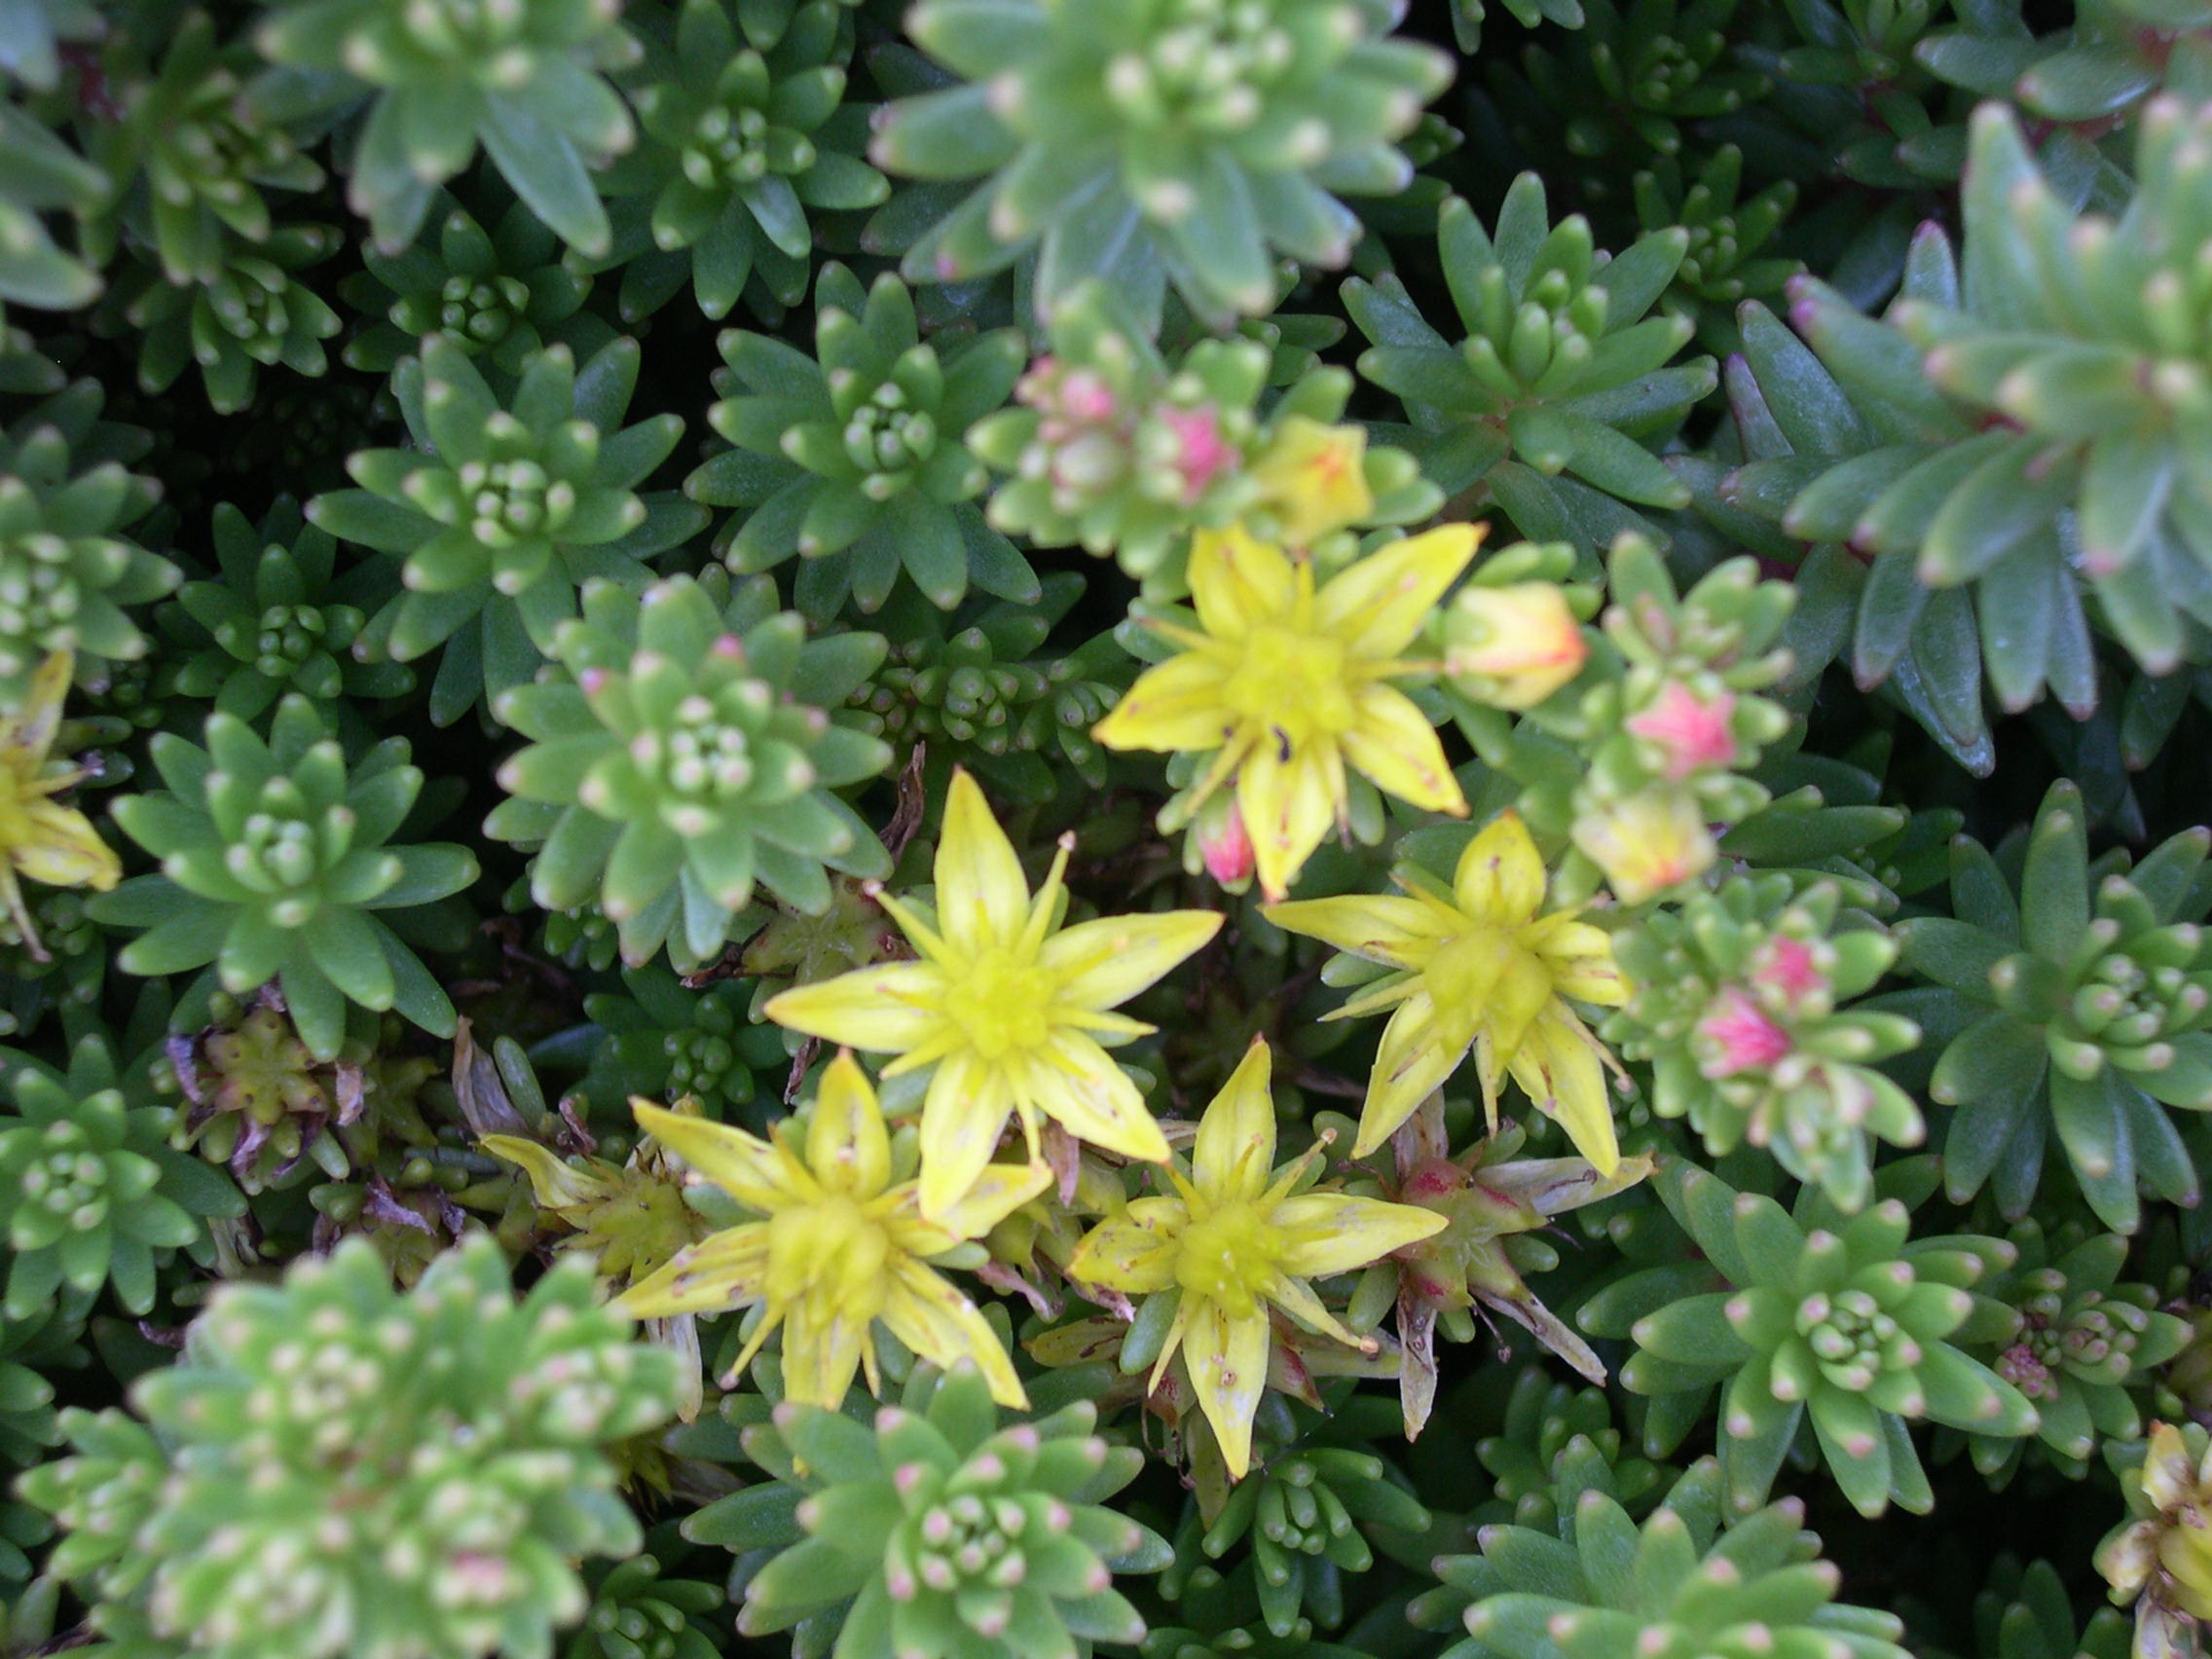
[
  {"x": 1009, "y": 1007},
  {"x": 1288, "y": 685},
  {"x": 841, "y": 1242},
  {"x": 39, "y": 838},
  {"x": 1477, "y": 966},
  {"x": 1235, "y": 1239}
]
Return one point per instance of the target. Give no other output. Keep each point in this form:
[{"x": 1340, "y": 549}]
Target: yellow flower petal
[
  {"x": 883, "y": 1010},
  {"x": 1297, "y": 1299},
  {"x": 39, "y": 718},
  {"x": 1399, "y": 932},
  {"x": 65, "y": 850},
  {"x": 996, "y": 1194},
  {"x": 1581, "y": 958},
  {"x": 1418, "y": 1052},
  {"x": 744, "y": 1165},
  {"x": 1329, "y": 1233},
  {"x": 1397, "y": 749},
  {"x": 1227, "y": 1357},
  {"x": 1080, "y": 1086},
  {"x": 1177, "y": 704},
  {"x": 712, "y": 1276},
  {"x": 1500, "y": 875},
  {"x": 963, "y": 1114},
  {"x": 1106, "y": 962},
  {"x": 1133, "y": 1252},
  {"x": 1557, "y": 1067},
  {"x": 556, "y": 1182},
  {"x": 821, "y": 1353},
  {"x": 1235, "y": 1148},
  {"x": 846, "y": 1145},
  {"x": 945, "y": 1327},
  {"x": 1236, "y": 580},
  {"x": 982, "y": 898},
  {"x": 1380, "y": 602},
  {"x": 1288, "y": 807}
]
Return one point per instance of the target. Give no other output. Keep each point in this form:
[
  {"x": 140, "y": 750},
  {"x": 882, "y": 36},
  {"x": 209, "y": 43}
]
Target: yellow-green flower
[
  {"x": 841, "y": 1242},
  {"x": 1010, "y": 1007},
  {"x": 1237, "y": 1238},
  {"x": 630, "y": 1219},
  {"x": 1289, "y": 685},
  {"x": 39, "y": 838},
  {"x": 1480, "y": 965},
  {"x": 1648, "y": 843},
  {"x": 1312, "y": 478}
]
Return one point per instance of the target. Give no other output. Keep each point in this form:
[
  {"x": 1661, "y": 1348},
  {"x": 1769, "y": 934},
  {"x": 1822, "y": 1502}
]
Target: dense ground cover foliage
[{"x": 1174, "y": 829}]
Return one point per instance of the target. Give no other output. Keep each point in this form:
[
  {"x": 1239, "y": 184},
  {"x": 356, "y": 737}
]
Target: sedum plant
[
  {"x": 459, "y": 1431},
  {"x": 855, "y": 461},
  {"x": 940, "y": 1529},
  {"x": 2080, "y": 1014},
  {"x": 276, "y": 863},
  {"x": 685, "y": 754},
  {"x": 746, "y": 132},
  {"x": 504, "y": 509},
  {"x": 1812, "y": 1320},
  {"x": 1157, "y": 142}
]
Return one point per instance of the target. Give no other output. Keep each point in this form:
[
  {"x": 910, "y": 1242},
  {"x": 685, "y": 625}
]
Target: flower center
[
  {"x": 1003, "y": 1002},
  {"x": 1229, "y": 1257},
  {"x": 1294, "y": 683},
  {"x": 833, "y": 1252},
  {"x": 1469, "y": 967}
]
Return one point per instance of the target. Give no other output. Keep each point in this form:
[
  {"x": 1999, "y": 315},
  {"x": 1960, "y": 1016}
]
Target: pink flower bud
[
  {"x": 1691, "y": 734},
  {"x": 1223, "y": 842},
  {"x": 1741, "y": 1035},
  {"x": 1200, "y": 455}
]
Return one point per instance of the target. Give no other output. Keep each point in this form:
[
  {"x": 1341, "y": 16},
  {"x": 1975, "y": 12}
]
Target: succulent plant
[
  {"x": 1694, "y": 1577},
  {"x": 257, "y": 1101},
  {"x": 428, "y": 1465},
  {"x": 2082, "y": 1013},
  {"x": 854, "y": 461},
  {"x": 1112, "y": 448},
  {"x": 504, "y": 509},
  {"x": 637, "y": 1612},
  {"x": 90, "y": 1193},
  {"x": 1738, "y": 1008},
  {"x": 254, "y": 313},
  {"x": 943, "y": 1530},
  {"x": 436, "y": 80},
  {"x": 68, "y": 579},
  {"x": 1561, "y": 371},
  {"x": 665, "y": 1039},
  {"x": 1724, "y": 262},
  {"x": 189, "y": 162},
  {"x": 1812, "y": 1318},
  {"x": 277, "y": 618},
  {"x": 746, "y": 130},
  {"x": 2059, "y": 1326},
  {"x": 43, "y": 176},
  {"x": 985, "y": 697},
  {"x": 499, "y": 294},
  {"x": 277, "y": 865},
  {"x": 1150, "y": 142},
  {"x": 684, "y": 756}
]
